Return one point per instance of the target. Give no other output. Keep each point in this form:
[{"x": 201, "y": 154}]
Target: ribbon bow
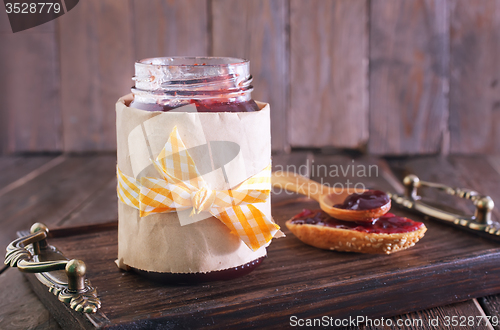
[{"x": 182, "y": 188}]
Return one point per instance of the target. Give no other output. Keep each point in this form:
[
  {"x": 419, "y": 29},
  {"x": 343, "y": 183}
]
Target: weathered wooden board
[
  {"x": 333, "y": 79},
  {"x": 297, "y": 162},
  {"x": 69, "y": 186},
  {"x": 257, "y": 31},
  {"x": 409, "y": 43},
  {"x": 86, "y": 212},
  {"x": 328, "y": 73},
  {"x": 430, "y": 319},
  {"x": 469, "y": 172},
  {"x": 15, "y": 168},
  {"x": 475, "y": 76},
  {"x": 170, "y": 28},
  {"x": 491, "y": 306},
  {"x": 101, "y": 207},
  {"x": 97, "y": 65},
  {"x": 300, "y": 280},
  {"x": 30, "y": 112},
  {"x": 285, "y": 284},
  {"x": 20, "y": 307},
  {"x": 442, "y": 318},
  {"x": 54, "y": 195}
]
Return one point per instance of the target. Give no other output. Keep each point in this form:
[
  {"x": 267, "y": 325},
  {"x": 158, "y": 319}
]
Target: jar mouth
[
  {"x": 194, "y": 61},
  {"x": 187, "y": 77}
]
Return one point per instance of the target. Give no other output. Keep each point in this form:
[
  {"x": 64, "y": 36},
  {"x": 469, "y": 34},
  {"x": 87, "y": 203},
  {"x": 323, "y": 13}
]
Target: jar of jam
[{"x": 211, "y": 86}]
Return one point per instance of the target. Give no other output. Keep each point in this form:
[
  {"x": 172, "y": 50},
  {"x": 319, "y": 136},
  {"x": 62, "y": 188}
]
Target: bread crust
[{"x": 330, "y": 238}]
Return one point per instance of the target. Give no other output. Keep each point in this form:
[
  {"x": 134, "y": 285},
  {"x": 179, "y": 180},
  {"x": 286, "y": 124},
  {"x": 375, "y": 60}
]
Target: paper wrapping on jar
[{"x": 158, "y": 242}]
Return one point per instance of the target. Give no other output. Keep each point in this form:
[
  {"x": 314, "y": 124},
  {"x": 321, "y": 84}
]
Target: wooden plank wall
[
  {"x": 475, "y": 76},
  {"x": 384, "y": 76},
  {"x": 328, "y": 69},
  {"x": 30, "y": 107},
  {"x": 408, "y": 76}
]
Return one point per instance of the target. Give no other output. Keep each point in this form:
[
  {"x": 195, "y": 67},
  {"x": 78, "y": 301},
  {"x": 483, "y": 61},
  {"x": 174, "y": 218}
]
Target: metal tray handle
[
  {"x": 479, "y": 223},
  {"x": 65, "y": 278}
]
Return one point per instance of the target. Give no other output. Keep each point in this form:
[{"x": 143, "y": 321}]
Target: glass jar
[{"x": 213, "y": 84}]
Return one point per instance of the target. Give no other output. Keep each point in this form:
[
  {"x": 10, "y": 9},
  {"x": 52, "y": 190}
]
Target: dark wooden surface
[
  {"x": 397, "y": 78},
  {"x": 55, "y": 195},
  {"x": 72, "y": 191},
  {"x": 20, "y": 307},
  {"x": 294, "y": 280}
]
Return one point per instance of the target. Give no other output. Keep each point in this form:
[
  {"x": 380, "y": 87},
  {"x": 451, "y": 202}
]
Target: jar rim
[
  {"x": 192, "y": 61},
  {"x": 178, "y": 79}
]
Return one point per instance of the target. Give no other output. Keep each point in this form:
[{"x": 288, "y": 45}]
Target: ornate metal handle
[
  {"x": 65, "y": 278},
  {"x": 479, "y": 223}
]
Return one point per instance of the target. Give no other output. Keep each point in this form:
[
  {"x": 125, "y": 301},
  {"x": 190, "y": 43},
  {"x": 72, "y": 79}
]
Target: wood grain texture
[
  {"x": 272, "y": 272},
  {"x": 96, "y": 68},
  {"x": 484, "y": 176},
  {"x": 101, "y": 207},
  {"x": 491, "y": 305},
  {"x": 310, "y": 60},
  {"x": 438, "y": 317},
  {"x": 14, "y": 168},
  {"x": 55, "y": 194},
  {"x": 478, "y": 173},
  {"x": 480, "y": 176},
  {"x": 17, "y": 295},
  {"x": 494, "y": 161},
  {"x": 170, "y": 28},
  {"x": 328, "y": 73},
  {"x": 294, "y": 280},
  {"x": 349, "y": 172},
  {"x": 297, "y": 279},
  {"x": 30, "y": 113},
  {"x": 257, "y": 31},
  {"x": 409, "y": 43},
  {"x": 59, "y": 312},
  {"x": 471, "y": 172},
  {"x": 296, "y": 162},
  {"x": 436, "y": 169},
  {"x": 475, "y": 77},
  {"x": 70, "y": 193},
  {"x": 431, "y": 319}
]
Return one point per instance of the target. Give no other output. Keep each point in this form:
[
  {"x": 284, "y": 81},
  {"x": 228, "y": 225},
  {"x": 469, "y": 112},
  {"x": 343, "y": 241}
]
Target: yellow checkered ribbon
[{"x": 182, "y": 188}]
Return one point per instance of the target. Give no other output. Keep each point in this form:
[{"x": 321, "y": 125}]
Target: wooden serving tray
[{"x": 446, "y": 266}]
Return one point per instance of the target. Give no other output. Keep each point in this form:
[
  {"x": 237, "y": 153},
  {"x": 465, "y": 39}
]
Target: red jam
[
  {"x": 204, "y": 106},
  {"x": 386, "y": 224},
  {"x": 368, "y": 200},
  {"x": 193, "y": 278}
]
